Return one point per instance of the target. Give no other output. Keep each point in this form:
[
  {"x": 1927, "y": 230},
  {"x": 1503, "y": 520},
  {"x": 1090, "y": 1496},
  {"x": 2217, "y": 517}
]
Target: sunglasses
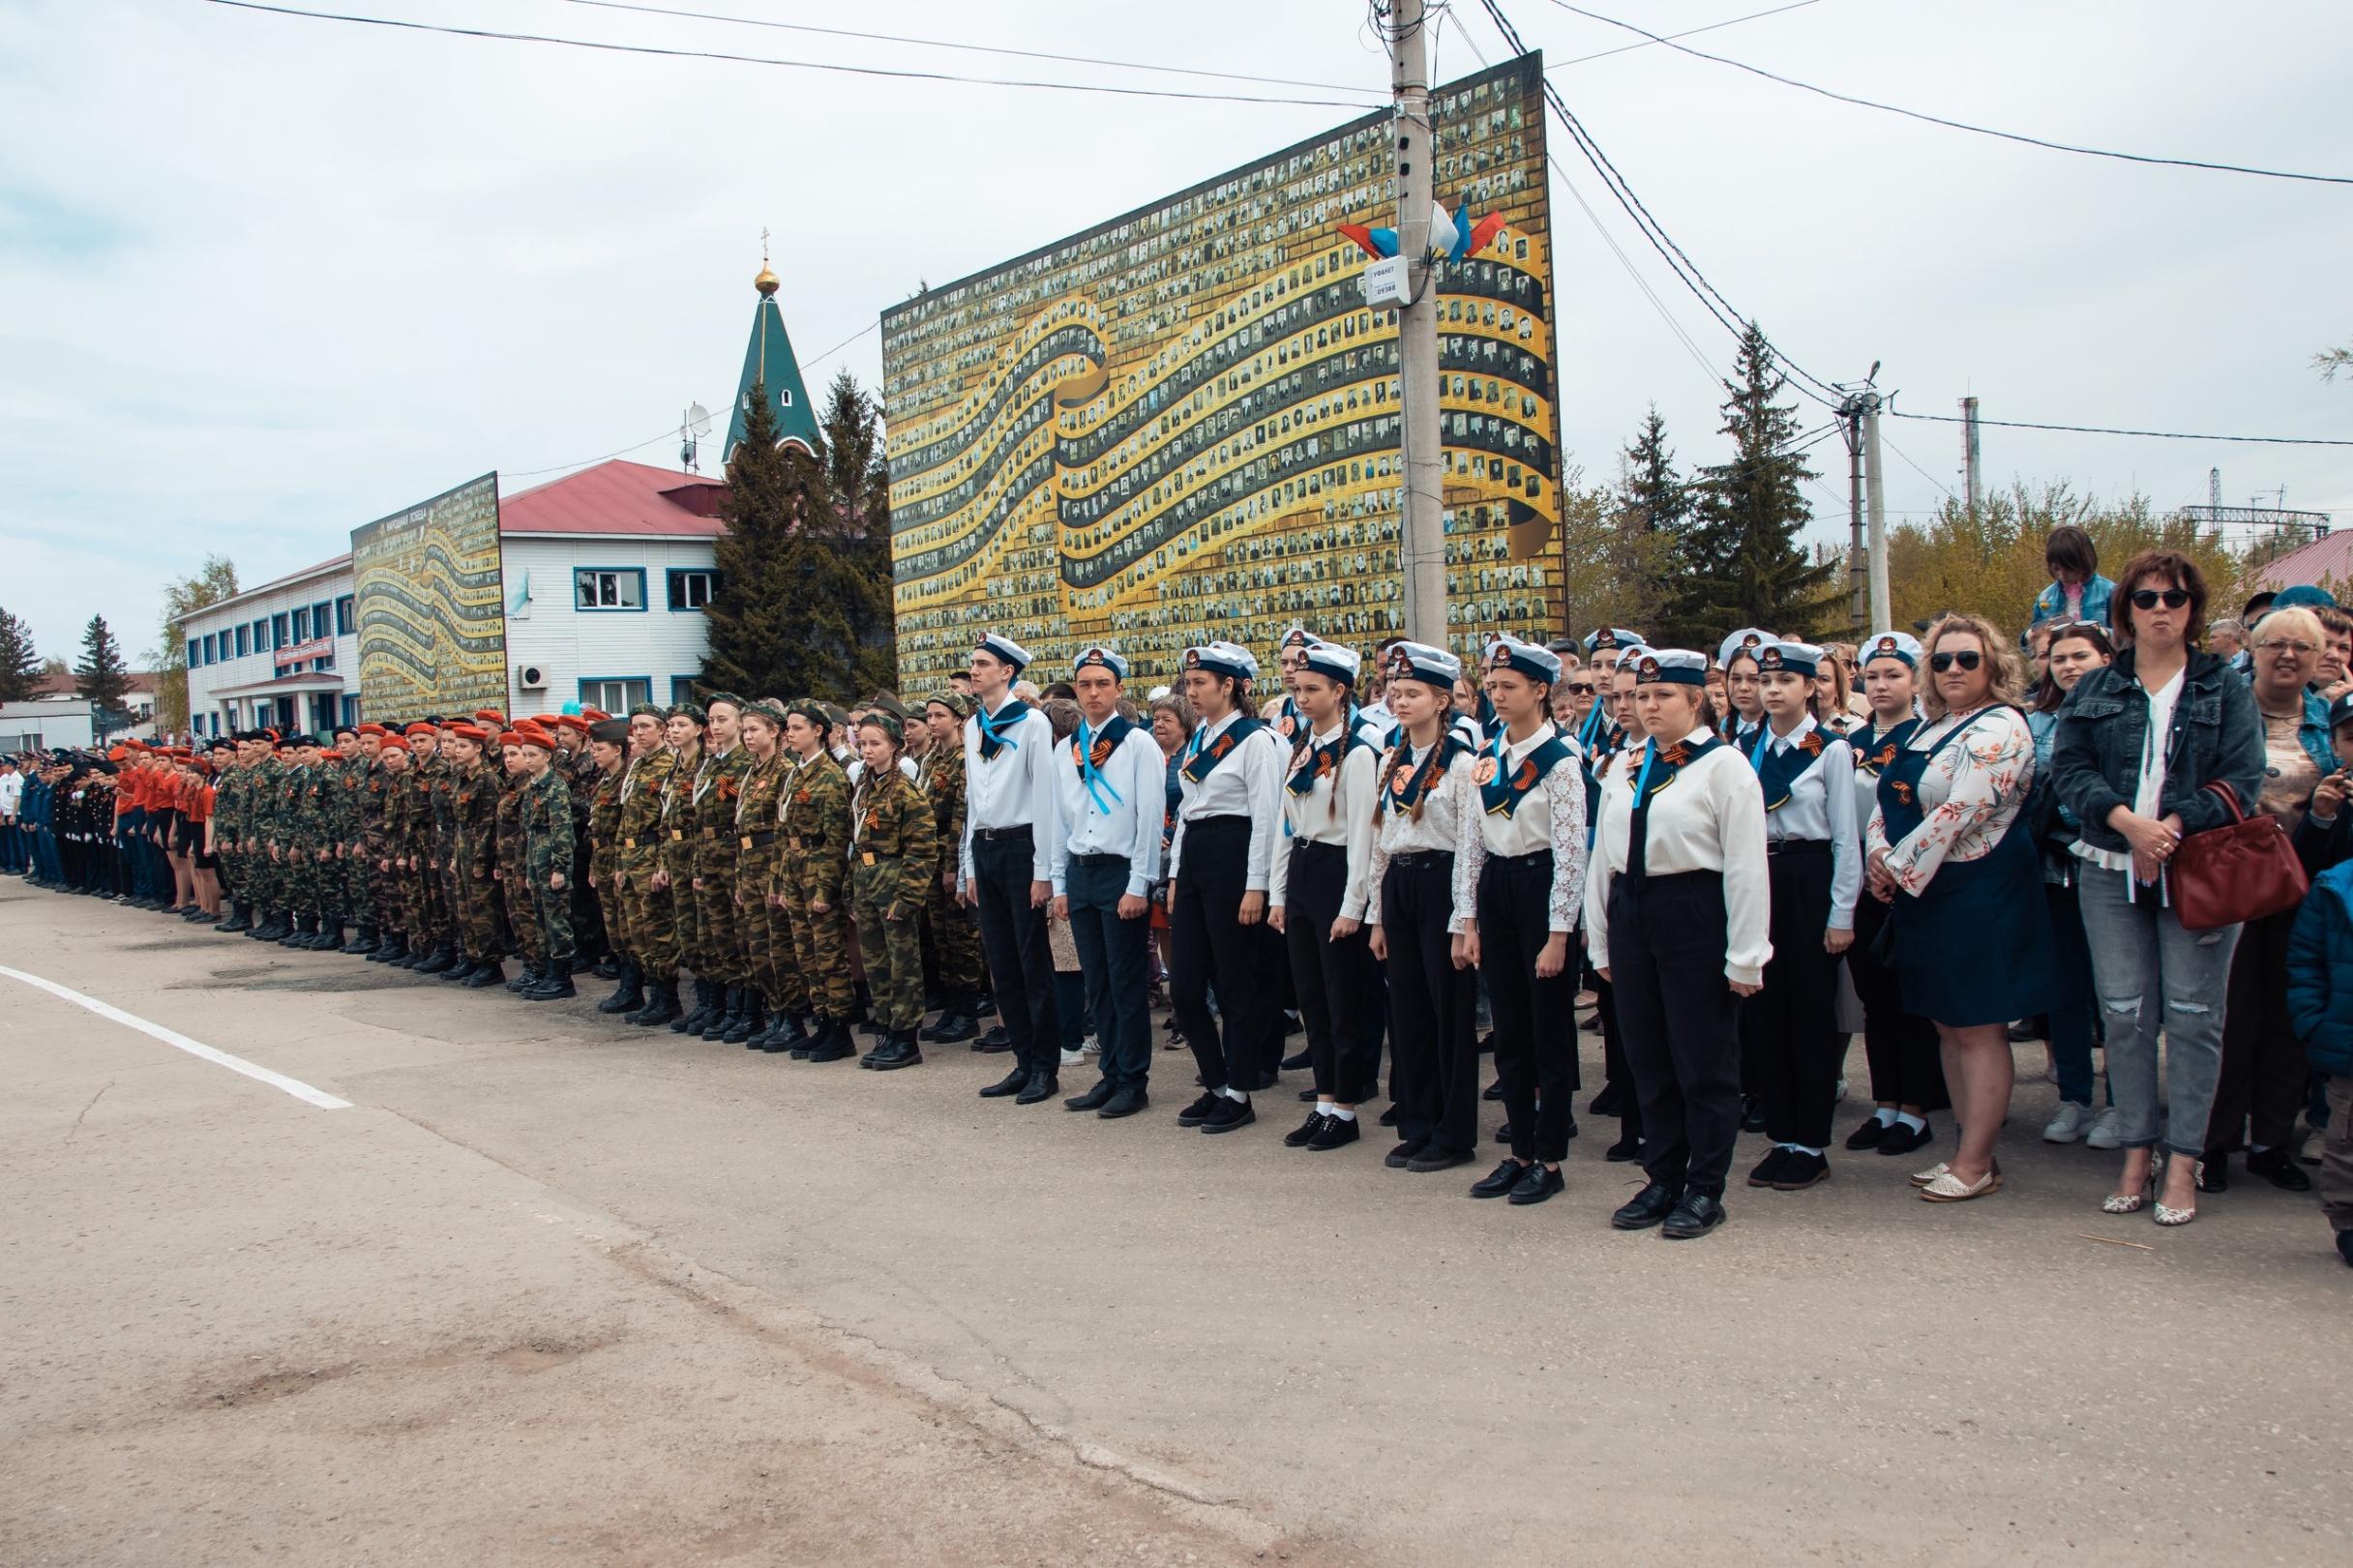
[
  {"x": 1578, "y": 690},
  {"x": 1966, "y": 657},
  {"x": 2148, "y": 598}
]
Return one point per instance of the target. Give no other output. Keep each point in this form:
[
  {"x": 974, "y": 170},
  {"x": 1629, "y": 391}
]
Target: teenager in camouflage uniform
[
  {"x": 948, "y": 924},
  {"x": 474, "y": 794},
  {"x": 648, "y": 917},
  {"x": 544, "y": 817},
  {"x": 423, "y": 874},
  {"x": 608, "y": 748},
  {"x": 759, "y": 850},
  {"x": 514, "y": 899},
  {"x": 682, "y": 729},
  {"x": 229, "y": 796},
  {"x": 261, "y": 804},
  {"x": 893, "y": 864},
  {"x": 295, "y": 839},
  {"x": 814, "y": 818},
  {"x": 388, "y": 849},
  {"x": 718, "y": 927}
]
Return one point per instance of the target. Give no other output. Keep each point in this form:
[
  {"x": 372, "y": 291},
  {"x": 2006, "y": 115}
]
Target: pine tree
[
  {"x": 101, "y": 677},
  {"x": 1744, "y": 563},
  {"x": 19, "y": 665},
  {"x": 800, "y": 610},
  {"x": 1649, "y": 488}
]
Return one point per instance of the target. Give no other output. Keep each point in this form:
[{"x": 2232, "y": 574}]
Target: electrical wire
[
  {"x": 2109, "y": 429},
  {"x": 1354, "y": 106},
  {"x": 1688, "y": 32},
  {"x": 1918, "y": 469},
  {"x": 983, "y": 48},
  {"x": 1959, "y": 125}
]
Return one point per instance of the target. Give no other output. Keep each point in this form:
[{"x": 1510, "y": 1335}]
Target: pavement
[{"x": 552, "y": 1291}]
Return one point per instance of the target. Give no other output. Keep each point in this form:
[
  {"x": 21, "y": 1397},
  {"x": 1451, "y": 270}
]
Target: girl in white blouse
[
  {"x": 1423, "y": 866},
  {"x": 1516, "y": 928},
  {"x": 1789, "y": 1030},
  {"x": 1675, "y": 909},
  {"x": 1317, "y": 893}
]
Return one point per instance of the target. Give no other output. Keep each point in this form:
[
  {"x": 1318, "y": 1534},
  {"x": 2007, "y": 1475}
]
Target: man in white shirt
[
  {"x": 11, "y": 799},
  {"x": 1111, "y": 792},
  {"x": 1007, "y": 863}
]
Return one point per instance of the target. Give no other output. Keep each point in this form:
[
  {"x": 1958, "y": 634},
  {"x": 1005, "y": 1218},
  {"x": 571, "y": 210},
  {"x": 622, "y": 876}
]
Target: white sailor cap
[
  {"x": 1610, "y": 639},
  {"x": 1508, "y": 652},
  {"x": 1677, "y": 667},
  {"x": 1000, "y": 646},
  {"x": 1097, "y": 656},
  {"x": 1794, "y": 657},
  {"x": 1333, "y": 662},
  {"x": 1297, "y": 636},
  {"x": 1897, "y": 645},
  {"x": 1746, "y": 640},
  {"x": 1222, "y": 658},
  {"x": 1420, "y": 662}
]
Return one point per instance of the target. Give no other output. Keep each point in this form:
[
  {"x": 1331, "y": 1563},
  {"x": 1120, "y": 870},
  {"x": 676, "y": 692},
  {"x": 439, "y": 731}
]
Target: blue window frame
[
  {"x": 302, "y": 626},
  {"x": 342, "y": 616},
  {"x": 616, "y": 694},
  {"x": 352, "y": 708},
  {"x": 262, "y": 636},
  {"x": 242, "y": 633},
  {"x": 205, "y": 649},
  {"x": 323, "y": 616},
  {"x": 608, "y": 588},
  {"x": 691, "y": 587},
  {"x": 682, "y": 689}
]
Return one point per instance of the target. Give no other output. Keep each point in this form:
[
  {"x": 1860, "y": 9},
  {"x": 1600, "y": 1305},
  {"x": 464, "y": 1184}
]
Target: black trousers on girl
[
  {"x": 1614, "y": 1067},
  {"x": 1789, "y": 1030},
  {"x": 1209, "y": 945},
  {"x": 1433, "y": 1042},
  {"x": 1535, "y": 1021},
  {"x": 1334, "y": 981},
  {"x": 1681, "y": 1021},
  {"x": 1907, "y": 1063}
]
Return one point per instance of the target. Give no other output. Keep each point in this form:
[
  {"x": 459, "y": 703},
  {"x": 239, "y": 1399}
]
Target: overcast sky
[{"x": 263, "y": 278}]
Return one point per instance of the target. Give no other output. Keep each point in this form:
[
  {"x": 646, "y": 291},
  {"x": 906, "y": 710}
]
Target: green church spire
[{"x": 767, "y": 361}]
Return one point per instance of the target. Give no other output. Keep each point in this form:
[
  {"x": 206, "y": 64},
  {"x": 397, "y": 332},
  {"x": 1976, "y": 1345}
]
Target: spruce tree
[
  {"x": 1650, "y": 491},
  {"x": 101, "y": 677},
  {"x": 19, "y": 665},
  {"x": 1744, "y": 564}
]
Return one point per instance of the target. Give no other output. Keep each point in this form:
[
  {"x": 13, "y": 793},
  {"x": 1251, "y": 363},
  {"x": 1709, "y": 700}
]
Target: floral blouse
[{"x": 1970, "y": 794}]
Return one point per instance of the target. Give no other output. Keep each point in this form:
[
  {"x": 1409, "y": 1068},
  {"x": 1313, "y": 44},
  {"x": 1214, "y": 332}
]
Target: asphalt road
[{"x": 554, "y": 1291}]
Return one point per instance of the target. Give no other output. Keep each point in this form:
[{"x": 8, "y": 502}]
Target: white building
[{"x": 604, "y": 574}]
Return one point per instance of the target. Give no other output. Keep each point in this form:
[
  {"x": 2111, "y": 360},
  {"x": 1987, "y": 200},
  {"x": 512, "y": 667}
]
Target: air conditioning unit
[{"x": 530, "y": 677}]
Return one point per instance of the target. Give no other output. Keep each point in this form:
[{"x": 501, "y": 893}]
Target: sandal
[
  {"x": 1951, "y": 1189},
  {"x": 2133, "y": 1203},
  {"x": 2166, "y": 1214},
  {"x": 1923, "y": 1178}
]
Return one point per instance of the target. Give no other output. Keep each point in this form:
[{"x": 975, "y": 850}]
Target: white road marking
[{"x": 194, "y": 1047}]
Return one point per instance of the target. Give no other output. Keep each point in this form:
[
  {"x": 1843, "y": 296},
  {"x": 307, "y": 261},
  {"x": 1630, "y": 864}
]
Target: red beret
[
  {"x": 414, "y": 730},
  {"x": 472, "y": 733},
  {"x": 396, "y": 743},
  {"x": 540, "y": 738},
  {"x": 594, "y": 716},
  {"x": 570, "y": 721},
  {"x": 490, "y": 716},
  {"x": 373, "y": 730}
]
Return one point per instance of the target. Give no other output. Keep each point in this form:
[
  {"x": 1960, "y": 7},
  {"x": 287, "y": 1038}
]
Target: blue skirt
[{"x": 1974, "y": 946}]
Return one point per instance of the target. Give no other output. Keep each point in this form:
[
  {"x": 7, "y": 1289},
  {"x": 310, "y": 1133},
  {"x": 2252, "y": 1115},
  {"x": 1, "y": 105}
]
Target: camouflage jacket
[
  {"x": 545, "y": 807},
  {"x": 760, "y": 849},
  {"x": 891, "y": 823},
  {"x": 675, "y": 838},
  {"x": 604, "y": 813},
  {"x": 813, "y": 811},
  {"x": 512, "y": 861},
  {"x": 644, "y": 786},
  {"x": 718, "y": 787},
  {"x": 473, "y": 798},
  {"x": 939, "y": 772}
]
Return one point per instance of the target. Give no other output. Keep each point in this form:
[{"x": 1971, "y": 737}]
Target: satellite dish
[
  {"x": 698, "y": 420},
  {"x": 692, "y": 426}
]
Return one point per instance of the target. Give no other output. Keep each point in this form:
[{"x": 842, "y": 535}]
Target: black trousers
[
  {"x": 1535, "y": 1020},
  {"x": 1110, "y": 958},
  {"x": 1433, "y": 1041},
  {"x": 1209, "y": 945},
  {"x": 1614, "y": 1066},
  {"x": 1789, "y": 1029},
  {"x": 2263, "y": 1081},
  {"x": 1334, "y": 981},
  {"x": 1680, "y": 1020},
  {"x": 1907, "y": 1062},
  {"x": 1013, "y": 937}
]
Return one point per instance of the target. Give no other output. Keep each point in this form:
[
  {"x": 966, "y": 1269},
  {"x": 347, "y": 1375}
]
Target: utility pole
[
  {"x": 1969, "y": 450},
  {"x": 1875, "y": 487},
  {"x": 1858, "y": 560},
  {"x": 1421, "y": 541}
]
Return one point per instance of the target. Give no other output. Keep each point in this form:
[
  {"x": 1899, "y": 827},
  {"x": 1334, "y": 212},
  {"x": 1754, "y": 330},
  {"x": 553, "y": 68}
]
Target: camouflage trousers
[
  {"x": 302, "y": 882},
  {"x": 551, "y": 918},
  {"x": 954, "y": 935},
  {"x": 718, "y": 922},
  {"x": 355, "y": 896},
  {"x": 648, "y": 917},
  {"x": 893, "y": 949},
  {"x": 428, "y": 898},
  {"x": 767, "y": 937},
  {"x": 389, "y": 888},
  {"x": 819, "y": 943},
  {"x": 480, "y": 914},
  {"x": 521, "y": 903},
  {"x": 685, "y": 911}
]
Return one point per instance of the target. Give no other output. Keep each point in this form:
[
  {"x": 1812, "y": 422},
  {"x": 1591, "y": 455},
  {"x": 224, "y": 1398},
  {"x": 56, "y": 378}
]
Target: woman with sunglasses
[
  {"x": 2138, "y": 742},
  {"x": 2264, "y": 1072},
  {"x": 1907, "y": 1076},
  {"x": 1949, "y": 852},
  {"x": 2073, "y": 650}
]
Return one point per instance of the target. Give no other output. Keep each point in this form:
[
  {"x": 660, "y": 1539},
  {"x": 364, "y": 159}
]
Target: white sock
[
  {"x": 2257, "y": 1148},
  {"x": 1344, "y": 1115},
  {"x": 1916, "y": 1123},
  {"x": 1800, "y": 1148},
  {"x": 1885, "y": 1115},
  {"x": 1325, "y": 1107},
  {"x": 1236, "y": 1095}
]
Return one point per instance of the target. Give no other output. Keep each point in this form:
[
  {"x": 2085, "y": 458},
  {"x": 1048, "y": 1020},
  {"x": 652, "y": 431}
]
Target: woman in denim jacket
[{"x": 2138, "y": 742}]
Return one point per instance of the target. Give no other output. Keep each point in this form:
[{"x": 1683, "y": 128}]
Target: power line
[
  {"x": 979, "y": 49},
  {"x": 1959, "y": 125},
  {"x": 2107, "y": 429},
  {"x": 1688, "y": 32},
  {"x": 1355, "y": 105},
  {"x": 1923, "y": 472}
]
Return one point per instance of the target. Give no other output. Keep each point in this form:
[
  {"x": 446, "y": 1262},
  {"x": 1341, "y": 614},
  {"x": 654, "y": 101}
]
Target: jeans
[
  {"x": 2150, "y": 973},
  {"x": 2070, "y": 1014}
]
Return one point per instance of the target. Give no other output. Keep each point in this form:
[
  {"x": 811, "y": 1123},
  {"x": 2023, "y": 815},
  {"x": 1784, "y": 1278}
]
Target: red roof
[
  {"x": 2331, "y": 556},
  {"x": 67, "y": 684},
  {"x": 621, "y": 498}
]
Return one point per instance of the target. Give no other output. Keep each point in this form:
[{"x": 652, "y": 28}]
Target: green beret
[
  {"x": 886, "y": 720},
  {"x": 687, "y": 710},
  {"x": 730, "y": 698},
  {"x": 652, "y": 710},
  {"x": 835, "y": 713},
  {"x": 955, "y": 702},
  {"x": 612, "y": 731},
  {"x": 888, "y": 702},
  {"x": 810, "y": 711},
  {"x": 770, "y": 711}
]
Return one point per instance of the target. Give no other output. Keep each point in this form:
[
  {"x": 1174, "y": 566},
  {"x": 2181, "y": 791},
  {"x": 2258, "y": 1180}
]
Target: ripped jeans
[{"x": 2148, "y": 973}]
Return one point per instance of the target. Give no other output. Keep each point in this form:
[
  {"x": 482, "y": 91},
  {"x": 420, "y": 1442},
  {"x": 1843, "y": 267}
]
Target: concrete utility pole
[
  {"x": 1875, "y": 487},
  {"x": 1421, "y": 542},
  {"x": 1857, "y": 559},
  {"x": 1969, "y": 450}
]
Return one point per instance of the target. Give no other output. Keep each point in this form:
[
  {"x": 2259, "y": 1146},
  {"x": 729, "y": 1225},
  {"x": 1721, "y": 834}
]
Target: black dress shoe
[
  {"x": 1500, "y": 1180},
  {"x": 995, "y": 1041},
  {"x": 1869, "y": 1135},
  {"x": 1695, "y": 1216},
  {"x": 1300, "y": 1063},
  {"x": 1123, "y": 1103},
  {"x": 1193, "y": 1114},
  {"x": 1539, "y": 1183},
  {"x": 1338, "y": 1132},
  {"x": 1042, "y": 1085},
  {"x": 1903, "y": 1138},
  {"x": 1610, "y": 1102},
  {"x": 1647, "y": 1208},
  {"x": 1227, "y": 1115},
  {"x": 1626, "y": 1150},
  {"x": 2279, "y": 1169},
  {"x": 1768, "y": 1169},
  {"x": 1502, "y": 1134},
  {"x": 1492, "y": 1091},
  {"x": 1093, "y": 1099},
  {"x": 1398, "y": 1158},
  {"x": 1434, "y": 1157},
  {"x": 1300, "y": 1136},
  {"x": 2214, "y": 1173},
  {"x": 1012, "y": 1084},
  {"x": 1800, "y": 1171},
  {"x": 952, "y": 1028},
  {"x": 1388, "y": 1117},
  {"x": 1752, "y": 1114}
]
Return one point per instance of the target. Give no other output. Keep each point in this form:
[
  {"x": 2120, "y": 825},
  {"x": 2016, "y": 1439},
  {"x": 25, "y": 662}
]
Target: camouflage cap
[
  {"x": 652, "y": 710},
  {"x": 687, "y": 710},
  {"x": 809, "y": 710},
  {"x": 888, "y": 702},
  {"x": 835, "y": 713},
  {"x": 772, "y": 712},
  {"x": 727, "y": 697},
  {"x": 887, "y": 721},
  {"x": 955, "y": 702}
]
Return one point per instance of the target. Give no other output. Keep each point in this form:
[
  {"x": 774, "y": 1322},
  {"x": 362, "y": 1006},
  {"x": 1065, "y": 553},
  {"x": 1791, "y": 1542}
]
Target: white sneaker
[
  {"x": 2069, "y": 1125},
  {"x": 1091, "y": 1047},
  {"x": 1072, "y": 1058},
  {"x": 2108, "y": 1130}
]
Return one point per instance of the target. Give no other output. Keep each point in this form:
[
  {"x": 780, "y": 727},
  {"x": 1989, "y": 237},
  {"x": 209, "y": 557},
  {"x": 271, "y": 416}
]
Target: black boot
[
  {"x": 790, "y": 1034},
  {"x": 329, "y": 937},
  {"x": 240, "y": 918},
  {"x": 630, "y": 994},
  {"x": 750, "y": 1023},
  {"x": 437, "y": 962},
  {"x": 898, "y": 1049},
  {"x": 831, "y": 1043},
  {"x": 724, "y": 1015},
  {"x": 386, "y": 949},
  {"x": 661, "y": 1004},
  {"x": 555, "y": 983},
  {"x": 415, "y": 952},
  {"x": 526, "y": 977},
  {"x": 365, "y": 940},
  {"x": 694, "y": 1022},
  {"x": 491, "y": 972},
  {"x": 955, "y": 1023},
  {"x": 299, "y": 930}
]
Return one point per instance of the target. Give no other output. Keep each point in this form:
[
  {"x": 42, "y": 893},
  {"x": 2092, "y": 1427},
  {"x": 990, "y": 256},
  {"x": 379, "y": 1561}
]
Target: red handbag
[{"x": 2242, "y": 870}]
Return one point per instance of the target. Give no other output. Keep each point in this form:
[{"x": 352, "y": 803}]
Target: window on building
[
  {"x": 302, "y": 626},
  {"x": 616, "y": 694},
  {"x": 608, "y": 587},
  {"x": 344, "y": 621},
  {"x": 682, "y": 689},
  {"x": 690, "y": 590},
  {"x": 352, "y": 708},
  {"x": 323, "y": 616},
  {"x": 242, "y": 646},
  {"x": 278, "y": 629},
  {"x": 209, "y": 644}
]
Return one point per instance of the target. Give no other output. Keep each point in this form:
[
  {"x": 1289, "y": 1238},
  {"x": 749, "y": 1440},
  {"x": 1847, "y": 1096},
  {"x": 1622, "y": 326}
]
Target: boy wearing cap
[
  {"x": 948, "y": 924},
  {"x": 1006, "y": 862},
  {"x": 649, "y": 916},
  {"x": 545, "y": 815},
  {"x": 514, "y": 872}
]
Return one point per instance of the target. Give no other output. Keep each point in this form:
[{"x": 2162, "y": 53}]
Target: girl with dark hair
[
  {"x": 2075, "y": 649},
  {"x": 2076, "y": 591}
]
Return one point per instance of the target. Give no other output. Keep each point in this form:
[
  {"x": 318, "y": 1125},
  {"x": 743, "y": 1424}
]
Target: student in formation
[
  {"x": 891, "y": 860},
  {"x": 1008, "y": 863}
]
